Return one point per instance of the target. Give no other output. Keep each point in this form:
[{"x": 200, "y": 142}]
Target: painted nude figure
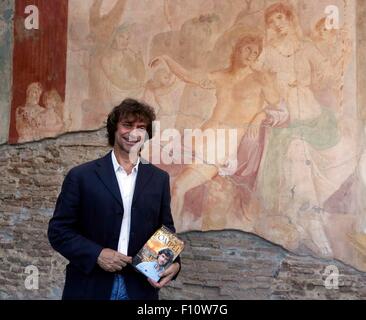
[{"x": 241, "y": 92}]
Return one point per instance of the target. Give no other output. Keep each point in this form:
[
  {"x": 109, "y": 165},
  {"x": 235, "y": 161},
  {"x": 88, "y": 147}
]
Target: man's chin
[{"x": 133, "y": 148}]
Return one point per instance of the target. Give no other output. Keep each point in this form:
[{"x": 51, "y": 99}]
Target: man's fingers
[
  {"x": 163, "y": 274},
  {"x": 154, "y": 283},
  {"x": 121, "y": 257},
  {"x": 128, "y": 259},
  {"x": 171, "y": 271},
  {"x": 111, "y": 260},
  {"x": 120, "y": 263},
  {"x": 118, "y": 267},
  {"x": 109, "y": 269},
  {"x": 166, "y": 272},
  {"x": 165, "y": 280},
  {"x": 122, "y": 260}
]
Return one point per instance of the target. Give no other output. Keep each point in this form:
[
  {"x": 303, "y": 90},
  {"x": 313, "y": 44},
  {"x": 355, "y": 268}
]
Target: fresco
[
  {"x": 39, "y": 72},
  {"x": 6, "y": 39},
  {"x": 281, "y": 73}
]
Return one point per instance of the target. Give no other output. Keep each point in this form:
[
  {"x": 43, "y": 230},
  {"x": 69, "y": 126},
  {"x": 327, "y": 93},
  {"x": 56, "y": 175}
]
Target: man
[
  {"x": 106, "y": 211},
  {"x": 154, "y": 269}
]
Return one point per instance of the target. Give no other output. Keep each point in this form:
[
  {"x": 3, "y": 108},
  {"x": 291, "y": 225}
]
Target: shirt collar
[{"x": 117, "y": 166}]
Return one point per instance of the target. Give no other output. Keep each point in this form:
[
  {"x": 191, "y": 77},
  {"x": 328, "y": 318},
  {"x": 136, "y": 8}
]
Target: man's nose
[{"x": 137, "y": 133}]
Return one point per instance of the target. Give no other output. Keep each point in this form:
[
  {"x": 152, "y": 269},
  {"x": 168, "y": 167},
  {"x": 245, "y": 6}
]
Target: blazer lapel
[
  {"x": 144, "y": 174},
  {"x": 105, "y": 172}
]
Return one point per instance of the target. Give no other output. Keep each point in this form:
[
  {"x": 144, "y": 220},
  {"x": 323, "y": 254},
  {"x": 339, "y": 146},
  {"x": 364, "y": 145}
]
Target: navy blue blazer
[{"x": 88, "y": 217}]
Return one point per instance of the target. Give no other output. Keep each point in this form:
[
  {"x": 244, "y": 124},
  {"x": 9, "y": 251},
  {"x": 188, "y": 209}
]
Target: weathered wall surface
[
  {"x": 361, "y": 61},
  {"x": 296, "y": 175},
  {"x": 31, "y": 177},
  {"x": 6, "y": 42},
  {"x": 216, "y": 265}
]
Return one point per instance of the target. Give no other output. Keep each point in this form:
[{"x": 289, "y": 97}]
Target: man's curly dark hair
[{"x": 129, "y": 107}]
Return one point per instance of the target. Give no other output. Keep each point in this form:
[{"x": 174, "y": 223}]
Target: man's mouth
[{"x": 131, "y": 141}]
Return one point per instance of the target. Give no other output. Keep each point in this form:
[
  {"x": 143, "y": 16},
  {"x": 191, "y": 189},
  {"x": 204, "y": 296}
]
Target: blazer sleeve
[
  {"x": 63, "y": 232},
  {"x": 166, "y": 215}
]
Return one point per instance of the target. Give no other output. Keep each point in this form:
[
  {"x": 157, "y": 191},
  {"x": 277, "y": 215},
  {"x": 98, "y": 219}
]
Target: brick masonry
[{"x": 216, "y": 265}]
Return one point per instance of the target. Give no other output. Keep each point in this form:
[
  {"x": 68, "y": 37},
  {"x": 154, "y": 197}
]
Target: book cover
[{"x": 158, "y": 253}]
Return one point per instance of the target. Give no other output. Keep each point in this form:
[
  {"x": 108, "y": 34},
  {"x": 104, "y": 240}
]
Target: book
[{"x": 158, "y": 253}]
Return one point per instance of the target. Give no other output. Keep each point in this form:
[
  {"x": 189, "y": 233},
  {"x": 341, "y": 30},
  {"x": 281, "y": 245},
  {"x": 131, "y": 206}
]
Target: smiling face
[
  {"x": 163, "y": 259},
  {"x": 130, "y": 134}
]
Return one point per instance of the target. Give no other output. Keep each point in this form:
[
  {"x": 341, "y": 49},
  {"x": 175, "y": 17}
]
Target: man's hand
[
  {"x": 112, "y": 261},
  {"x": 166, "y": 276}
]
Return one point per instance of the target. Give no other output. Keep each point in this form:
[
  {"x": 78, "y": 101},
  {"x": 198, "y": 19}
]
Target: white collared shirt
[{"x": 126, "y": 183}]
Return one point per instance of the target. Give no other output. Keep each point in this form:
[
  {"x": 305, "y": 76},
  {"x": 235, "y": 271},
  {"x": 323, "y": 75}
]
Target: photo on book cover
[{"x": 158, "y": 253}]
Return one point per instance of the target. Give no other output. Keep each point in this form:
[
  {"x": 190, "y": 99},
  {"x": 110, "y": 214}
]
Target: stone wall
[
  {"x": 216, "y": 265},
  {"x": 31, "y": 177},
  {"x": 240, "y": 266}
]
